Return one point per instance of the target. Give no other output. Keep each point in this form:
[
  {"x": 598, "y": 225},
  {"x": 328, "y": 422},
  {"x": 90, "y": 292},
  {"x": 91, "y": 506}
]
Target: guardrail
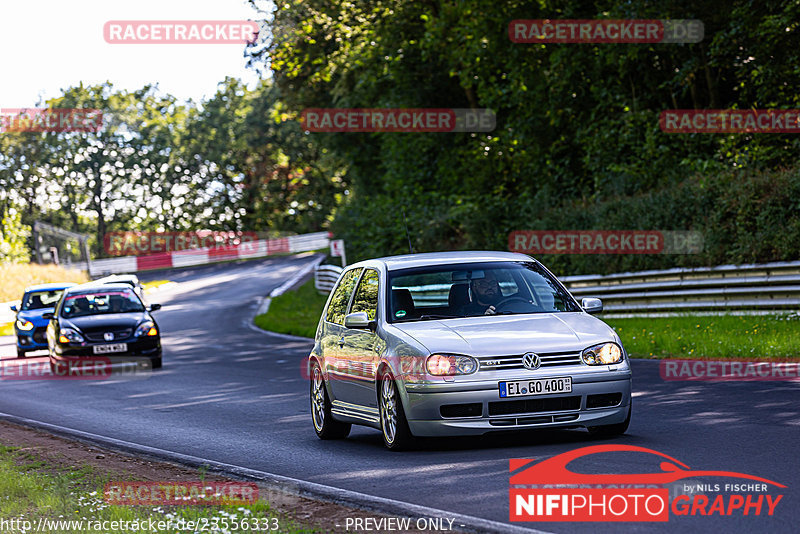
[
  {"x": 740, "y": 289},
  {"x": 201, "y": 256},
  {"x": 325, "y": 277}
]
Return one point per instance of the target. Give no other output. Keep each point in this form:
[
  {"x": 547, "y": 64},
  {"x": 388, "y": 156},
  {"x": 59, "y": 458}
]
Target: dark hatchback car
[{"x": 103, "y": 320}]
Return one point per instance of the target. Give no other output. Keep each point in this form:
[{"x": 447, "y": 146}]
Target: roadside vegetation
[
  {"x": 295, "y": 312},
  {"x": 711, "y": 337},
  {"x": 17, "y": 276},
  {"x": 34, "y": 489},
  {"x": 153, "y": 284}
]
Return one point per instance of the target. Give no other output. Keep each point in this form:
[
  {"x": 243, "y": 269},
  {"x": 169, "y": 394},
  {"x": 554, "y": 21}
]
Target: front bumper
[
  {"x": 28, "y": 340},
  {"x": 596, "y": 399},
  {"x": 143, "y": 347}
]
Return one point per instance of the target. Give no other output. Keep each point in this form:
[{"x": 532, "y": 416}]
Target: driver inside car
[{"x": 485, "y": 295}]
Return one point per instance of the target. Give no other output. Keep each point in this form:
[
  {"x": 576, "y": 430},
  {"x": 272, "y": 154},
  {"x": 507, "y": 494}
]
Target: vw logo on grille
[
  {"x": 108, "y": 336},
  {"x": 531, "y": 360}
]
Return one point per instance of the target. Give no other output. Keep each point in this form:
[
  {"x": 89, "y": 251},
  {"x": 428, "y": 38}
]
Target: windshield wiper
[{"x": 428, "y": 317}]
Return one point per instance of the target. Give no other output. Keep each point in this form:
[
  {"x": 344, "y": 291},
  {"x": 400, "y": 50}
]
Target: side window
[
  {"x": 366, "y": 299},
  {"x": 341, "y": 297}
]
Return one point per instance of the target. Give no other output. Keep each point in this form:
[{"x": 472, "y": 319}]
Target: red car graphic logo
[{"x": 554, "y": 470}]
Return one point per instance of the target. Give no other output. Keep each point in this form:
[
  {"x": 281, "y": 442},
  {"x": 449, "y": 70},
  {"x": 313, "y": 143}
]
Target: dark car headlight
[
  {"x": 147, "y": 328},
  {"x": 24, "y": 325},
  {"x": 602, "y": 354},
  {"x": 70, "y": 335},
  {"x": 451, "y": 364}
]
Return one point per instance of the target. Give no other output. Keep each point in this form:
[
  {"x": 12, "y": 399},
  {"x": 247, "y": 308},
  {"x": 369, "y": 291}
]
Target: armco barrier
[
  {"x": 325, "y": 277},
  {"x": 201, "y": 256},
  {"x": 742, "y": 289}
]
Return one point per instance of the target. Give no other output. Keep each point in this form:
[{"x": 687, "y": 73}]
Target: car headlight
[
  {"x": 24, "y": 325},
  {"x": 602, "y": 354},
  {"x": 450, "y": 364},
  {"x": 147, "y": 328},
  {"x": 70, "y": 335}
]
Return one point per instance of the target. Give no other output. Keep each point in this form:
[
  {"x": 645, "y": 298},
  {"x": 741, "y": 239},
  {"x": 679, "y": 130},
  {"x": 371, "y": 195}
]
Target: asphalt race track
[{"x": 232, "y": 394}]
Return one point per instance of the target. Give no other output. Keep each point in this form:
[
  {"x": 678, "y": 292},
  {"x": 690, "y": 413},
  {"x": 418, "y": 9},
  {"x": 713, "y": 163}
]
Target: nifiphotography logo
[{"x": 549, "y": 491}]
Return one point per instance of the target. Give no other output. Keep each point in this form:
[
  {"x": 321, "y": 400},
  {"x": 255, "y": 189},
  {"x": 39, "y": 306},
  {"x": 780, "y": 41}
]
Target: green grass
[
  {"x": 154, "y": 283},
  {"x": 294, "y": 312},
  {"x": 32, "y": 489},
  {"x": 711, "y": 337}
]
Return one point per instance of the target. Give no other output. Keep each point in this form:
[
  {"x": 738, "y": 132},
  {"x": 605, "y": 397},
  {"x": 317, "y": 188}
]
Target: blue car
[{"x": 30, "y": 328}]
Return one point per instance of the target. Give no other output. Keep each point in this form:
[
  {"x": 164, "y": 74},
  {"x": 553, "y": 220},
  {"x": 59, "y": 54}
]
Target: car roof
[
  {"x": 443, "y": 258},
  {"x": 49, "y": 287},
  {"x": 89, "y": 286}
]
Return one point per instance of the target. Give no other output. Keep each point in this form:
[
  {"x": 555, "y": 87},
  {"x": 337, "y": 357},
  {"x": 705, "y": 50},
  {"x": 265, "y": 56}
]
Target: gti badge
[{"x": 531, "y": 361}]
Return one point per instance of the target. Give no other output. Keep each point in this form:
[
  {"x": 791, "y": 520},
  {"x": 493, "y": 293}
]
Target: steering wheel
[{"x": 503, "y": 303}]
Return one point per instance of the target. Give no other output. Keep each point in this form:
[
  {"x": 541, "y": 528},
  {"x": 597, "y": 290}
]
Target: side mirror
[
  {"x": 592, "y": 305},
  {"x": 359, "y": 320},
  {"x": 13, "y": 307},
  {"x": 48, "y": 315},
  {"x": 154, "y": 307}
]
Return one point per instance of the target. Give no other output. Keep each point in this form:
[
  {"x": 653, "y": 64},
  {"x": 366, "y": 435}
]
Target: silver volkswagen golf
[{"x": 459, "y": 343}]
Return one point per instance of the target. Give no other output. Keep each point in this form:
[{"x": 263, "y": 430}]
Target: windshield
[
  {"x": 37, "y": 300},
  {"x": 100, "y": 302},
  {"x": 470, "y": 290}
]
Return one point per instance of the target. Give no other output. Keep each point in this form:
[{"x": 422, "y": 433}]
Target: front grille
[
  {"x": 539, "y": 420},
  {"x": 99, "y": 334},
  {"x": 40, "y": 334},
  {"x": 548, "y": 359},
  {"x": 474, "y": 409},
  {"x": 557, "y": 404}
]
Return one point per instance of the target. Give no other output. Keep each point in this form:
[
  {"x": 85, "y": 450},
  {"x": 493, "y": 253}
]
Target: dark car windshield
[
  {"x": 37, "y": 300},
  {"x": 469, "y": 290},
  {"x": 101, "y": 302}
]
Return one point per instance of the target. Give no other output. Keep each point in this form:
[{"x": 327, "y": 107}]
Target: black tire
[
  {"x": 156, "y": 363},
  {"x": 325, "y": 425},
  {"x": 397, "y": 435},
  {"x": 20, "y": 353},
  {"x": 610, "y": 431}
]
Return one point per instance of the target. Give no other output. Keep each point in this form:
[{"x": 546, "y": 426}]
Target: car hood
[
  {"x": 510, "y": 334},
  {"x": 34, "y": 316},
  {"x": 90, "y": 323}
]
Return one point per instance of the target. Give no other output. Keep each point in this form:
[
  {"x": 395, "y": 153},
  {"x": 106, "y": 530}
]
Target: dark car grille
[
  {"x": 40, "y": 334},
  {"x": 534, "y": 405},
  {"x": 98, "y": 335},
  {"x": 548, "y": 359},
  {"x": 603, "y": 400},
  {"x": 473, "y": 409}
]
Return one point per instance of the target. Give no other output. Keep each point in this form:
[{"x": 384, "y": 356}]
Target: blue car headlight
[{"x": 24, "y": 325}]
